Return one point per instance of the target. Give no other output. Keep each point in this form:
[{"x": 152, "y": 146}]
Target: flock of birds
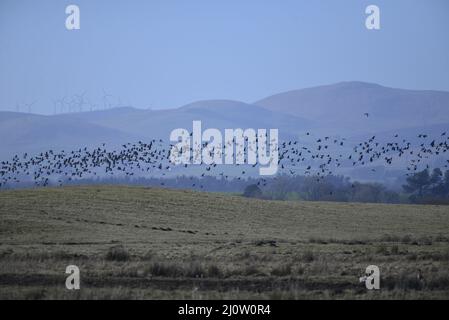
[{"x": 318, "y": 157}]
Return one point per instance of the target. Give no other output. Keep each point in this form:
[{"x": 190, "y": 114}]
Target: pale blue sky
[{"x": 168, "y": 53}]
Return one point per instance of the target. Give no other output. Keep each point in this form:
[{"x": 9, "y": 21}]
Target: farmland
[{"x": 151, "y": 243}]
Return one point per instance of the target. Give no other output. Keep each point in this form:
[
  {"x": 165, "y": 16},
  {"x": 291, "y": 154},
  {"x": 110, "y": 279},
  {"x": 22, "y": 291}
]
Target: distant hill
[
  {"x": 338, "y": 110},
  {"x": 32, "y": 133},
  {"x": 341, "y": 108},
  {"x": 36, "y": 133},
  {"x": 219, "y": 114}
]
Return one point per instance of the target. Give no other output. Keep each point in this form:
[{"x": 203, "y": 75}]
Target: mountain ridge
[{"x": 336, "y": 109}]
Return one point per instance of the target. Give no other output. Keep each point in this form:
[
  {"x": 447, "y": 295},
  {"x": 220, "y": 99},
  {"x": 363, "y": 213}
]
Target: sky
[{"x": 167, "y": 53}]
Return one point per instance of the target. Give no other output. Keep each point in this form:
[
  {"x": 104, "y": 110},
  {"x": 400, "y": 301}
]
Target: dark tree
[
  {"x": 252, "y": 191},
  {"x": 428, "y": 188},
  {"x": 416, "y": 183},
  {"x": 437, "y": 176}
]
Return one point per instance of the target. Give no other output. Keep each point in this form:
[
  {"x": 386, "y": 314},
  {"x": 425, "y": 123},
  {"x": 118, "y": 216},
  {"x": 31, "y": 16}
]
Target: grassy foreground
[{"x": 135, "y": 242}]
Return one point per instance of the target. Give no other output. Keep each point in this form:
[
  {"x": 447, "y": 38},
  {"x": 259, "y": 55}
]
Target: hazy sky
[{"x": 168, "y": 53}]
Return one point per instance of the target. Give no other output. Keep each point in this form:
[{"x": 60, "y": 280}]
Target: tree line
[
  {"x": 428, "y": 187},
  {"x": 424, "y": 187}
]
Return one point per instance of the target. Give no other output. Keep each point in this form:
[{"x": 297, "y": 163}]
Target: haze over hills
[
  {"x": 219, "y": 114},
  {"x": 32, "y": 133},
  {"x": 338, "y": 109}
]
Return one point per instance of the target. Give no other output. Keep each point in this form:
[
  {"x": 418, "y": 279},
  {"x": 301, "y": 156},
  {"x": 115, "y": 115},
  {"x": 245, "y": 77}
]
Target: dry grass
[{"x": 139, "y": 243}]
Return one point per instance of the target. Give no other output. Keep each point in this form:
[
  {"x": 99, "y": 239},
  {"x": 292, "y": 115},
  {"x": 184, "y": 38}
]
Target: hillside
[
  {"x": 353, "y": 111},
  {"x": 34, "y": 133},
  {"x": 336, "y": 109},
  {"x": 143, "y": 241},
  {"x": 340, "y": 108}
]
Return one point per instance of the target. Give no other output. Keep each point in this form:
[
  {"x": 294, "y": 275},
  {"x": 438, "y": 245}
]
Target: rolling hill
[
  {"x": 354, "y": 110},
  {"x": 36, "y": 133},
  {"x": 219, "y": 114},
  {"x": 340, "y": 108},
  {"x": 32, "y": 133}
]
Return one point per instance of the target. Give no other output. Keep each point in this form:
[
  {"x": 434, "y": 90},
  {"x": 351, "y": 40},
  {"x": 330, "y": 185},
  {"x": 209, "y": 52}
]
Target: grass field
[{"x": 147, "y": 243}]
